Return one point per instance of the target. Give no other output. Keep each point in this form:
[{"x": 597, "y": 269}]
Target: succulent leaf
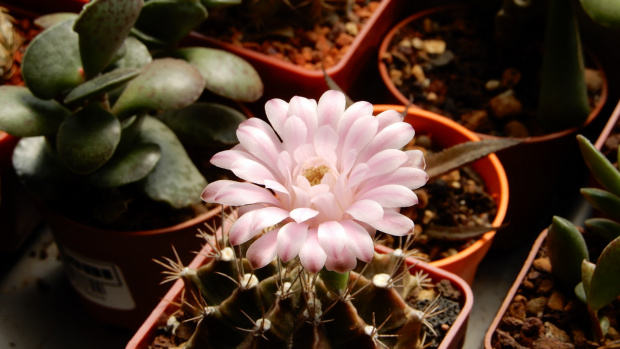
[
  {"x": 464, "y": 153},
  {"x": 170, "y": 20},
  {"x": 175, "y": 180},
  {"x": 88, "y": 138},
  {"x": 600, "y": 167},
  {"x": 51, "y": 64},
  {"x": 100, "y": 84},
  {"x": 165, "y": 83},
  {"x": 603, "y": 201},
  {"x": 587, "y": 270},
  {"x": 605, "y": 283},
  {"x": 136, "y": 55},
  {"x": 219, "y": 3},
  {"x": 51, "y": 19},
  {"x": 603, "y": 227},
  {"x": 24, "y": 115},
  {"x": 603, "y": 12},
  {"x": 94, "y": 25},
  {"x": 205, "y": 124},
  {"x": 128, "y": 167},
  {"x": 225, "y": 74},
  {"x": 567, "y": 251}
]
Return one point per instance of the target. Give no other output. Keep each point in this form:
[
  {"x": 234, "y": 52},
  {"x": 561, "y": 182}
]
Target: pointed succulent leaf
[
  {"x": 170, "y": 20},
  {"x": 587, "y": 270},
  {"x": 88, "y": 139},
  {"x": 175, "y": 180},
  {"x": 100, "y": 84},
  {"x": 605, "y": 283},
  {"x": 49, "y": 20},
  {"x": 51, "y": 63},
  {"x": 127, "y": 167},
  {"x": 603, "y": 227},
  {"x": 580, "y": 292},
  {"x": 163, "y": 84},
  {"x": 567, "y": 251},
  {"x": 600, "y": 167},
  {"x": 464, "y": 153},
  {"x": 603, "y": 12},
  {"x": 40, "y": 169},
  {"x": 97, "y": 21},
  {"x": 219, "y": 3},
  {"x": 205, "y": 124},
  {"x": 24, "y": 115},
  {"x": 225, "y": 74},
  {"x": 603, "y": 201}
]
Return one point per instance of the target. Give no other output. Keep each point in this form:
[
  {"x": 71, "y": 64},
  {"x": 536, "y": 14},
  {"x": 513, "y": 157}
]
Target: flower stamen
[{"x": 315, "y": 174}]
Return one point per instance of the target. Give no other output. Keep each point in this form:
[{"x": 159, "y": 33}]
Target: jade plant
[
  {"x": 596, "y": 283},
  {"x": 563, "y": 99},
  {"x": 104, "y": 111},
  {"x": 319, "y": 181}
]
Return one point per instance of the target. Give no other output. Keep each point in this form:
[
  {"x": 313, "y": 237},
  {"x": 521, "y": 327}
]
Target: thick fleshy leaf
[
  {"x": 225, "y": 74},
  {"x": 170, "y": 20},
  {"x": 51, "y": 19},
  {"x": 587, "y": 270},
  {"x": 97, "y": 21},
  {"x": 100, "y": 84},
  {"x": 127, "y": 167},
  {"x": 603, "y": 201},
  {"x": 600, "y": 167},
  {"x": 603, "y": 227},
  {"x": 88, "y": 139},
  {"x": 205, "y": 124},
  {"x": 51, "y": 64},
  {"x": 567, "y": 250},
  {"x": 136, "y": 55},
  {"x": 175, "y": 180},
  {"x": 219, "y": 3},
  {"x": 24, "y": 115},
  {"x": 163, "y": 84},
  {"x": 605, "y": 283},
  {"x": 604, "y": 12}
]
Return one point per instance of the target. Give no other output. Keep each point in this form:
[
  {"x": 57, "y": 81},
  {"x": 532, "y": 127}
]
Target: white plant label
[{"x": 99, "y": 281}]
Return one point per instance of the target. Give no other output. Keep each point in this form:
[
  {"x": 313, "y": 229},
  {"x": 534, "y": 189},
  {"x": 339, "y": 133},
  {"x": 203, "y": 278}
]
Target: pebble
[
  {"x": 536, "y": 306},
  {"x": 473, "y": 119},
  {"x": 511, "y": 77},
  {"x": 417, "y": 43},
  {"x": 418, "y": 72},
  {"x": 505, "y": 105},
  {"x": 553, "y": 332},
  {"x": 542, "y": 264},
  {"x": 351, "y": 28},
  {"x": 436, "y": 47},
  {"x": 594, "y": 80},
  {"x": 492, "y": 85},
  {"x": 556, "y": 301},
  {"x": 516, "y": 129}
]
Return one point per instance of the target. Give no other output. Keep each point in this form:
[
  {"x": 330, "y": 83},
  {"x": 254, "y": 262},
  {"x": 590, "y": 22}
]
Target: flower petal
[
  {"x": 277, "y": 113},
  {"x": 351, "y": 114},
  {"x": 411, "y": 178},
  {"x": 302, "y": 214},
  {"x": 331, "y": 105},
  {"x": 249, "y": 224},
  {"x": 359, "y": 135},
  {"x": 263, "y": 250},
  {"x": 259, "y": 144},
  {"x": 365, "y": 210},
  {"x": 359, "y": 241},
  {"x": 326, "y": 203},
  {"x": 312, "y": 256},
  {"x": 252, "y": 171},
  {"x": 305, "y": 109},
  {"x": 394, "y": 136},
  {"x": 291, "y": 239},
  {"x": 416, "y": 159},
  {"x": 209, "y": 193},
  {"x": 294, "y": 133},
  {"x": 391, "y": 195},
  {"x": 332, "y": 238},
  {"x": 238, "y": 194},
  {"x": 394, "y": 223},
  {"x": 226, "y": 158},
  {"x": 388, "y": 118},
  {"x": 342, "y": 262},
  {"x": 385, "y": 161}
]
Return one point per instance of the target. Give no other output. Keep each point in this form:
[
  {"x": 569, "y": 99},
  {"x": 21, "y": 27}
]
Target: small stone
[
  {"x": 532, "y": 328},
  {"x": 471, "y": 187},
  {"x": 553, "y": 332},
  {"x": 492, "y": 85},
  {"x": 351, "y": 28},
  {"x": 396, "y": 77},
  {"x": 512, "y": 324},
  {"x": 511, "y": 77},
  {"x": 594, "y": 80},
  {"x": 417, "y": 43},
  {"x": 405, "y": 43},
  {"x": 545, "y": 286},
  {"x": 422, "y": 195},
  {"x": 516, "y": 129},
  {"x": 548, "y": 343},
  {"x": 536, "y": 306},
  {"x": 556, "y": 301},
  {"x": 542, "y": 264},
  {"x": 517, "y": 310},
  {"x": 418, "y": 72},
  {"x": 431, "y": 96},
  {"x": 473, "y": 119},
  {"x": 505, "y": 340},
  {"x": 344, "y": 39},
  {"x": 435, "y": 47},
  {"x": 505, "y": 105},
  {"x": 428, "y": 216}
]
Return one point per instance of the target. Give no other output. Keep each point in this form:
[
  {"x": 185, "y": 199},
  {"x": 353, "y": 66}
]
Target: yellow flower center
[{"x": 315, "y": 174}]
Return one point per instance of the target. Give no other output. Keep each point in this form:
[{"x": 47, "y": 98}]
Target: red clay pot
[{"x": 445, "y": 134}]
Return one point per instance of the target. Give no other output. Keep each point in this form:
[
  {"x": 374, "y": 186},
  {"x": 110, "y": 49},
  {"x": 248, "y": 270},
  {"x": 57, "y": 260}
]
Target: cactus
[
  {"x": 109, "y": 100},
  {"x": 227, "y": 305}
]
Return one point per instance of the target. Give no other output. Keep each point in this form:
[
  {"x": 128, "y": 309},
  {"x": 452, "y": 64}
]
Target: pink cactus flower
[{"x": 326, "y": 177}]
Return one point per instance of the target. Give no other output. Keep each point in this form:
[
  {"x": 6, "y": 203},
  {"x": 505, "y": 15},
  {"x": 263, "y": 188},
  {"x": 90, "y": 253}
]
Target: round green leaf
[
  {"x": 24, "y": 115},
  {"x": 567, "y": 250},
  {"x": 101, "y": 84},
  {"x": 600, "y": 167},
  {"x": 170, "y": 20},
  {"x": 605, "y": 283},
  {"x": 49, "y": 20},
  {"x": 88, "y": 139},
  {"x": 127, "y": 167},
  {"x": 604, "y": 12},
  {"x": 175, "y": 180},
  {"x": 603, "y": 227},
  {"x": 165, "y": 83},
  {"x": 225, "y": 74},
  {"x": 136, "y": 55},
  {"x": 51, "y": 64},
  {"x": 603, "y": 201},
  {"x": 103, "y": 26},
  {"x": 205, "y": 124}
]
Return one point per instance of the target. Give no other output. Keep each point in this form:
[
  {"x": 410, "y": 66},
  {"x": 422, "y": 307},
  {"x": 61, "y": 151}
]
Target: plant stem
[
  {"x": 596, "y": 325},
  {"x": 334, "y": 281}
]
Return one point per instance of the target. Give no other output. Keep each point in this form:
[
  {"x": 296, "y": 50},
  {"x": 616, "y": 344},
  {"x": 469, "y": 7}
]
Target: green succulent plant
[
  {"x": 596, "y": 284},
  {"x": 104, "y": 118},
  {"x": 563, "y": 100}
]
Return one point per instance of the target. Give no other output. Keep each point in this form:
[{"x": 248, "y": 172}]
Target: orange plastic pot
[
  {"x": 540, "y": 169},
  {"x": 113, "y": 272},
  {"x": 446, "y": 133},
  {"x": 453, "y": 339}
]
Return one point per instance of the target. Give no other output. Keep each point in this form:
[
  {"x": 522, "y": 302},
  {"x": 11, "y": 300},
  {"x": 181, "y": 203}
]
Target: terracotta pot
[
  {"x": 18, "y": 214},
  {"x": 540, "y": 169},
  {"x": 513, "y": 289},
  {"x": 285, "y": 80},
  {"x": 113, "y": 272},
  {"x": 447, "y": 133},
  {"x": 453, "y": 339}
]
